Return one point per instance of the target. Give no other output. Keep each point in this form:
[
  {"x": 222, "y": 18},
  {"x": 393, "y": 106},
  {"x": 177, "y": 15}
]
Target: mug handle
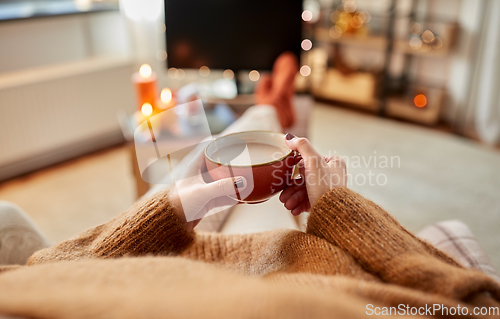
[{"x": 296, "y": 159}]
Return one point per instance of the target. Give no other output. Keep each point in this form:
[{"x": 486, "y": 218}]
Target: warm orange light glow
[
  {"x": 428, "y": 36},
  {"x": 228, "y": 74},
  {"x": 254, "y": 75},
  {"x": 204, "y": 71},
  {"x": 356, "y": 22},
  {"x": 166, "y": 95},
  {"x": 420, "y": 100},
  {"x": 306, "y": 44},
  {"x": 349, "y": 6},
  {"x": 335, "y": 32},
  {"x": 334, "y": 16},
  {"x": 342, "y": 25},
  {"x": 147, "y": 109},
  {"x": 145, "y": 71}
]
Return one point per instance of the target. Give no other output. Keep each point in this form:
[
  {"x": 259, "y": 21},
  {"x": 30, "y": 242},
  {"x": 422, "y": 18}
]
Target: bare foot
[{"x": 278, "y": 89}]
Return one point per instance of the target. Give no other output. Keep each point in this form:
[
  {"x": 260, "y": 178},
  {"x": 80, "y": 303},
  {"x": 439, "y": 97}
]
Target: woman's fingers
[
  {"x": 302, "y": 145},
  {"x": 226, "y": 186},
  {"x": 296, "y": 198},
  {"x": 302, "y": 207},
  {"x": 287, "y": 192}
]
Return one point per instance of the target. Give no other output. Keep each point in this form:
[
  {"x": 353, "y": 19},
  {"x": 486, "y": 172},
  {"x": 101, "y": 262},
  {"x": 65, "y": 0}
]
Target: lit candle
[
  {"x": 167, "y": 99},
  {"x": 147, "y": 109},
  {"x": 145, "y": 82}
]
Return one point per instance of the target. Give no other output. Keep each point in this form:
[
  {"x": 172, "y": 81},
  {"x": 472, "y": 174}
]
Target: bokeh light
[
  {"x": 254, "y": 75},
  {"x": 204, "y": 71},
  {"x": 306, "y": 44},
  {"x": 437, "y": 44},
  {"x": 365, "y": 16},
  {"x": 305, "y": 70},
  {"x": 145, "y": 71},
  {"x": 416, "y": 28},
  {"x": 180, "y": 74},
  {"x": 161, "y": 55},
  {"x": 356, "y": 21},
  {"x": 415, "y": 43},
  {"x": 228, "y": 74},
  {"x": 83, "y": 5},
  {"x": 342, "y": 25},
  {"x": 307, "y": 15},
  {"x": 349, "y": 6},
  {"x": 420, "y": 100},
  {"x": 147, "y": 109},
  {"x": 428, "y": 36},
  {"x": 425, "y": 47},
  {"x": 334, "y": 16},
  {"x": 173, "y": 73},
  {"x": 335, "y": 32}
]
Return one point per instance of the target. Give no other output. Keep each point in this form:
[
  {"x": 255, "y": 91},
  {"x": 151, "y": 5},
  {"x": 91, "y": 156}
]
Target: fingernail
[
  {"x": 238, "y": 182},
  {"x": 289, "y": 136}
]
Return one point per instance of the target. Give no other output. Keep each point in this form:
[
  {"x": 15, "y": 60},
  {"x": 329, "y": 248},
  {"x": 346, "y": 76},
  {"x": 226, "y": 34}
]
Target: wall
[{"x": 62, "y": 81}]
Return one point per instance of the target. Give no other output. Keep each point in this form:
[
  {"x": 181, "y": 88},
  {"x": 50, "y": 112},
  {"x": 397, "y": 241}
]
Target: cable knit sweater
[{"x": 353, "y": 257}]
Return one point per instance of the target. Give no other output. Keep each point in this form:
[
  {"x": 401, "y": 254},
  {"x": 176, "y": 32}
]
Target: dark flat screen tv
[{"x": 231, "y": 34}]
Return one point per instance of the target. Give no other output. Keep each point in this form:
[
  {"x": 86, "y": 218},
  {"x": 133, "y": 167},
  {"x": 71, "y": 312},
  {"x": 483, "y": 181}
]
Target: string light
[
  {"x": 305, "y": 70},
  {"x": 307, "y": 15},
  {"x": 306, "y": 45}
]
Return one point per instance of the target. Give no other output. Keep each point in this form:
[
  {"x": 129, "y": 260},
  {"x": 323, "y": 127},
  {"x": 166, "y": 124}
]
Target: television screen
[{"x": 231, "y": 34}]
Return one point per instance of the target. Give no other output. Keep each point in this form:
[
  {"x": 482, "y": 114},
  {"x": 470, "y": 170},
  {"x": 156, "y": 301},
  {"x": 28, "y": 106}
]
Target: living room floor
[{"x": 434, "y": 176}]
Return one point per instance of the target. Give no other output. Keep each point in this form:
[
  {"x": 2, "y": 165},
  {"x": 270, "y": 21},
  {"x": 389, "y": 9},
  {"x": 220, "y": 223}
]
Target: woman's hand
[
  {"x": 194, "y": 198},
  {"x": 318, "y": 173}
]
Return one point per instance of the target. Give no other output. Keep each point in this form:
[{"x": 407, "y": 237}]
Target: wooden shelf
[
  {"x": 357, "y": 89},
  {"x": 377, "y": 42}
]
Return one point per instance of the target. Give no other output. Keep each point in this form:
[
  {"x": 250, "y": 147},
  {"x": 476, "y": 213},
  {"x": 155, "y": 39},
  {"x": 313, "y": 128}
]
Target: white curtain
[{"x": 485, "y": 89}]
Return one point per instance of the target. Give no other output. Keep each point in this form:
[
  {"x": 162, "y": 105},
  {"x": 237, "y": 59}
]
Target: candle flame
[
  {"x": 145, "y": 71},
  {"x": 147, "y": 109},
  {"x": 166, "y": 95}
]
